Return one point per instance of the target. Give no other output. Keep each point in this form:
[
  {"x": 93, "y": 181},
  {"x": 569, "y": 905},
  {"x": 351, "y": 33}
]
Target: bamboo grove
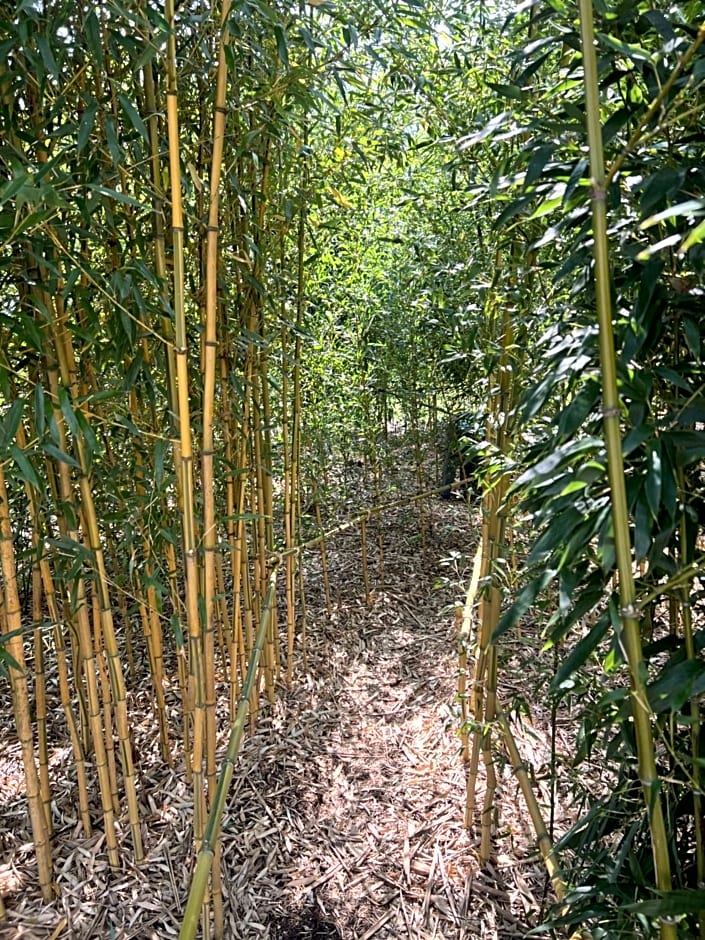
[{"x": 238, "y": 243}]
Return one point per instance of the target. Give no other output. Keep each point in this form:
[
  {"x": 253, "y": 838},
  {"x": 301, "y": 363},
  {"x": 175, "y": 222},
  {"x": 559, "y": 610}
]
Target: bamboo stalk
[
  {"x": 89, "y": 515},
  {"x": 11, "y": 628},
  {"x": 290, "y": 505},
  {"x": 85, "y": 666},
  {"x": 199, "y": 880},
  {"x": 40, "y": 696},
  {"x": 543, "y": 839},
  {"x": 641, "y": 710},
  {"x": 490, "y": 775},
  {"x": 695, "y": 716},
  {"x": 108, "y": 727},
  {"x": 196, "y": 692},
  {"x": 363, "y": 552},
  {"x": 324, "y": 555}
]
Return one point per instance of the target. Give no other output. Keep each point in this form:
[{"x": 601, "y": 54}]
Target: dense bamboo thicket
[{"x": 244, "y": 248}]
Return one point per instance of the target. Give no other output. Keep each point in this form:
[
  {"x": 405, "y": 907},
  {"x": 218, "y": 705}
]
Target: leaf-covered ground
[{"x": 345, "y": 815}]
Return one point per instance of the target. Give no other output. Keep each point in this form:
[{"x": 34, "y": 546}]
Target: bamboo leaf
[
  {"x": 39, "y": 412},
  {"x": 27, "y": 471},
  {"x": 524, "y": 602},
  {"x": 282, "y": 48},
  {"x": 134, "y": 117},
  {"x": 582, "y": 651},
  {"x": 52, "y": 451},
  {"x": 630, "y": 50},
  {"x": 112, "y": 140},
  {"x": 497, "y": 122},
  {"x": 10, "y": 422},
  {"x": 653, "y": 477},
  {"x": 695, "y": 238},
  {"x": 116, "y": 195},
  {"x": 47, "y": 55},
  {"x": 677, "y": 683},
  {"x": 548, "y": 467},
  {"x": 67, "y": 411},
  {"x": 689, "y": 208},
  {"x": 86, "y": 125},
  {"x": 671, "y": 903},
  {"x": 92, "y": 32}
]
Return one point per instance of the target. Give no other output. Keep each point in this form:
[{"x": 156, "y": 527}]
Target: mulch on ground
[{"x": 344, "y": 819}]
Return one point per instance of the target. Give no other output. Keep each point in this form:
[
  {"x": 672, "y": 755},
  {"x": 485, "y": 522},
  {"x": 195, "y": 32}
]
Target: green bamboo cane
[
  {"x": 628, "y": 613},
  {"x": 199, "y": 881},
  {"x": 695, "y": 718}
]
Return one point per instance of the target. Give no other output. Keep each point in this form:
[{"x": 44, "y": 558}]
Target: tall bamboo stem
[
  {"x": 641, "y": 709},
  {"x": 196, "y": 694}
]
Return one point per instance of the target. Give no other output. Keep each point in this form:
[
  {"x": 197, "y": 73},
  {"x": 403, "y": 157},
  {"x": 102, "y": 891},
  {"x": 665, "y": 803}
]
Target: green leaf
[
  {"x": 691, "y": 330},
  {"x": 695, "y": 237},
  {"x": 507, "y": 91},
  {"x": 492, "y": 126},
  {"x": 11, "y": 188},
  {"x": 133, "y": 117},
  {"x": 86, "y": 125},
  {"x": 27, "y": 471},
  {"x": 9, "y": 423},
  {"x": 525, "y": 600},
  {"x": 642, "y": 531},
  {"x": 52, "y": 451},
  {"x": 114, "y": 194},
  {"x": 676, "y": 684},
  {"x": 282, "y": 48},
  {"x": 47, "y": 56},
  {"x": 92, "y": 31},
  {"x": 112, "y": 141},
  {"x": 690, "y": 207},
  {"x": 538, "y": 161},
  {"x": 562, "y": 455},
  {"x": 67, "y": 411},
  {"x": 582, "y": 650},
  {"x": 546, "y": 207},
  {"x": 671, "y": 904},
  {"x": 628, "y": 49},
  {"x": 39, "y": 412}
]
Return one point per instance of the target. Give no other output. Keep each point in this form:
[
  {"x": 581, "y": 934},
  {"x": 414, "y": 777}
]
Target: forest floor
[{"x": 345, "y": 815}]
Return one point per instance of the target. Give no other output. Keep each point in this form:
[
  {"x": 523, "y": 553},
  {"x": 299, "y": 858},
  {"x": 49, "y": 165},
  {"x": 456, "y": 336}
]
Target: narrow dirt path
[
  {"x": 344, "y": 818},
  {"x": 357, "y": 788}
]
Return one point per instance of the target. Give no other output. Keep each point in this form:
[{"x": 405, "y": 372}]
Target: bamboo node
[
  {"x": 629, "y": 612},
  {"x": 613, "y": 412}
]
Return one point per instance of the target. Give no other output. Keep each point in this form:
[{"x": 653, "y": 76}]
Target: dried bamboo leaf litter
[{"x": 344, "y": 818}]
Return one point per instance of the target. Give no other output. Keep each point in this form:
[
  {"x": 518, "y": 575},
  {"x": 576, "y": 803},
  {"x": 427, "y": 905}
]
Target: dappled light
[{"x": 352, "y": 470}]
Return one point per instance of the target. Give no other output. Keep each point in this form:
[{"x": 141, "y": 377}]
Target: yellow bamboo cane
[
  {"x": 11, "y": 630},
  {"x": 196, "y": 694}
]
